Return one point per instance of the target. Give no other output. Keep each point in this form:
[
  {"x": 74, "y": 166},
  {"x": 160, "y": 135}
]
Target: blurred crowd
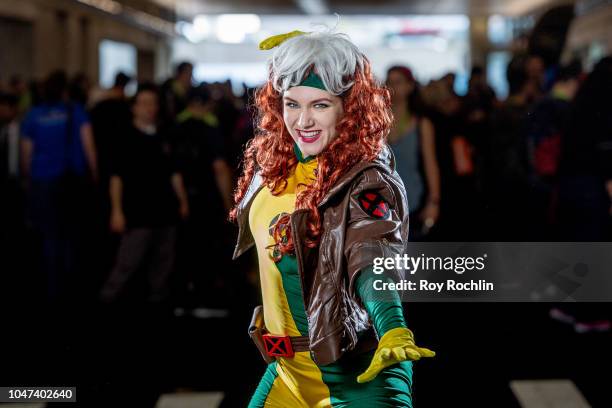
[
  {"x": 533, "y": 167},
  {"x": 117, "y": 198},
  {"x": 114, "y": 198}
]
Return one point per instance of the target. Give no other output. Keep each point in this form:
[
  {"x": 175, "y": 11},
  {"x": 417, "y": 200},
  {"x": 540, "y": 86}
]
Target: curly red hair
[{"x": 360, "y": 137}]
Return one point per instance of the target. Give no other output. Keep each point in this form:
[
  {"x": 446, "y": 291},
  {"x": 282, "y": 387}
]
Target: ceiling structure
[
  {"x": 190, "y": 8},
  {"x": 161, "y": 15}
]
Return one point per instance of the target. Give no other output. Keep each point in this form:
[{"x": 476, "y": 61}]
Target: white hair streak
[{"x": 334, "y": 58}]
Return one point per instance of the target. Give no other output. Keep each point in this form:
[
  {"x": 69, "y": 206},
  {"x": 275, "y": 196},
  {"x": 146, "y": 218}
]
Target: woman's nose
[{"x": 305, "y": 120}]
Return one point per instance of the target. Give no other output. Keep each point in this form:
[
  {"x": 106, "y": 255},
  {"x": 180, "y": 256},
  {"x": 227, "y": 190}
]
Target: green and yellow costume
[{"x": 299, "y": 381}]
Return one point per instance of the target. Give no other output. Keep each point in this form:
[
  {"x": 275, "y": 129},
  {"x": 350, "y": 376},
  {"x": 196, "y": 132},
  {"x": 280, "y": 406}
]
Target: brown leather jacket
[{"x": 350, "y": 241}]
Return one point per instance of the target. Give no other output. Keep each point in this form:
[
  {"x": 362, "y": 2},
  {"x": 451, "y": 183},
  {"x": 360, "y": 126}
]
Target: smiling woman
[
  {"x": 320, "y": 200},
  {"x": 311, "y": 115}
]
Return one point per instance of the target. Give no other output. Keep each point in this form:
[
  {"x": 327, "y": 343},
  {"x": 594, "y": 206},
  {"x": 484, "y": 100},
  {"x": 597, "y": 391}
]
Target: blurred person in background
[
  {"x": 243, "y": 130},
  {"x": 11, "y": 204},
  {"x": 9, "y": 163},
  {"x": 203, "y": 257},
  {"x": 19, "y": 88},
  {"x": 477, "y": 105},
  {"x": 108, "y": 115},
  {"x": 507, "y": 160},
  {"x": 175, "y": 90},
  {"x": 535, "y": 69},
  {"x": 585, "y": 183},
  {"x": 412, "y": 140},
  {"x": 9, "y": 139},
  {"x": 78, "y": 89},
  {"x": 147, "y": 198},
  {"x": 479, "y": 94},
  {"x": 58, "y": 156},
  {"x": 448, "y": 80},
  {"x": 36, "y": 92},
  {"x": 546, "y": 125},
  {"x": 458, "y": 200},
  {"x": 225, "y": 109},
  {"x": 586, "y": 160}
]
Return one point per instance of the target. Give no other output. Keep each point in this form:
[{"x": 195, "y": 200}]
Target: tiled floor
[
  {"x": 138, "y": 359},
  {"x": 190, "y": 400},
  {"x": 548, "y": 393}
]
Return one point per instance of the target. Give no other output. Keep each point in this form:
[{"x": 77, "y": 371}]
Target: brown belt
[
  {"x": 271, "y": 346},
  {"x": 300, "y": 343}
]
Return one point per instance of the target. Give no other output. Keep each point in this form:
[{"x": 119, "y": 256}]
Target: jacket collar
[
  {"x": 245, "y": 239},
  {"x": 385, "y": 161}
]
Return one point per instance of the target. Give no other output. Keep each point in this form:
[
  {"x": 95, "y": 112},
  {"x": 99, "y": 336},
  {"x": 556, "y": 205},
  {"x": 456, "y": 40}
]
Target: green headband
[{"x": 313, "y": 81}]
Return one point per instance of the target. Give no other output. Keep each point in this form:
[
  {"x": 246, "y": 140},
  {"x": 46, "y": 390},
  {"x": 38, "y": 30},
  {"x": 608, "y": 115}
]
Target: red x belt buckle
[{"x": 278, "y": 346}]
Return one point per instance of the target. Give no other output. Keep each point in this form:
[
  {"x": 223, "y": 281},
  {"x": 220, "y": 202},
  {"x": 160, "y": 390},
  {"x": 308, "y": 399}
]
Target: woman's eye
[
  {"x": 291, "y": 104},
  {"x": 321, "y": 105}
]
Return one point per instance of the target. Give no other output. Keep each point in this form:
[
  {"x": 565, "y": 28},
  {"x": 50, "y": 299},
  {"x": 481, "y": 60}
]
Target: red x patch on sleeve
[{"x": 373, "y": 204}]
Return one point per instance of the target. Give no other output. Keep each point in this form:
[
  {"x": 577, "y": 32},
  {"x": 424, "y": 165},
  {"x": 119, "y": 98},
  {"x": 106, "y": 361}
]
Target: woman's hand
[
  {"x": 184, "y": 209},
  {"x": 430, "y": 214},
  {"x": 117, "y": 222},
  {"x": 395, "y": 346}
]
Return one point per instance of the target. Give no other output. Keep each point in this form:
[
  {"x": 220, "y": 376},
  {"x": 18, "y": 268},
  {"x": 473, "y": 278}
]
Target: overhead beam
[{"x": 313, "y": 7}]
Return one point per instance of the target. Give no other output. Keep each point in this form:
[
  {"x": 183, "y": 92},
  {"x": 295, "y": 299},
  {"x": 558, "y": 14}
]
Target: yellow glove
[{"x": 395, "y": 346}]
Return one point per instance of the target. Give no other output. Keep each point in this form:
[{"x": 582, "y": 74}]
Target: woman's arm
[
  {"x": 117, "y": 220},
  {"x": 26, "y": 147},
  {"x": 89, "y": 148},
  {"x": 223, "y": 177},
  {"x": 181, "y": 194},
  {"x": 431, "y": 210},
  {"x": 377, "y": 229},
  {"x": 385, "y": 314}
]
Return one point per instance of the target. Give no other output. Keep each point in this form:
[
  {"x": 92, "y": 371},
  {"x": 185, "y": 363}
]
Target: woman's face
[
  {"x": 311, "y": 116},
  {"x": 146, "y": 107},
  {"x": 400, "y": 86}
]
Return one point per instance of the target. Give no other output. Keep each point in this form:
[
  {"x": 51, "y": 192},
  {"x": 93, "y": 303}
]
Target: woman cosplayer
[{"x": 320, "y": 200}]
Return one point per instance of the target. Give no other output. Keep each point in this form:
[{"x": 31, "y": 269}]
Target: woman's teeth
[
  {"x": 310, "y": 134},
  {"x": 309, "y": 137}
]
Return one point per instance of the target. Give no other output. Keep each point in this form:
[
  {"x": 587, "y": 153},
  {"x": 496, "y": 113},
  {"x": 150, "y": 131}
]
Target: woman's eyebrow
[{"x": 312, "y": 102}]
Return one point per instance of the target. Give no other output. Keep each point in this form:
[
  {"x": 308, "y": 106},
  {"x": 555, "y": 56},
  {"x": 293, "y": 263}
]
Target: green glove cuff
[
  {"x": 385, "y": 315},
  {"x": 393, "y": 335}
]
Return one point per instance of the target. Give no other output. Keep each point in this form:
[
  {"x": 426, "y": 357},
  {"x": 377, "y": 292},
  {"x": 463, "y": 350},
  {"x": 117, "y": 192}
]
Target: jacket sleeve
[{"x": 377, "y": 224}]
